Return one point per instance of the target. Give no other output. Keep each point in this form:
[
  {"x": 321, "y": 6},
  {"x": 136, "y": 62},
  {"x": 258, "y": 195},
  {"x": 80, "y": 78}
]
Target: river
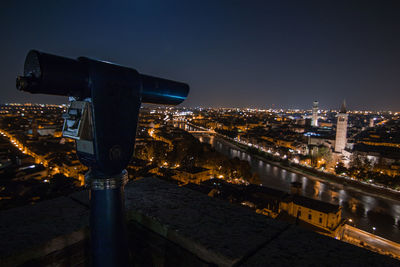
[{"x": 371, "y": 213}]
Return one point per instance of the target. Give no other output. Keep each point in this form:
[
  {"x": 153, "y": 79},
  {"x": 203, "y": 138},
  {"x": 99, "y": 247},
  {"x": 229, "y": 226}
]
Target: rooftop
[
  {"x": 192, "y": 170},
  {"x": 314, "y": 204}
]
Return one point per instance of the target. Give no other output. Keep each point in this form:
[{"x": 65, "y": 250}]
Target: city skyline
[
  {"x": 348, "y": 163},
  {"x": 131, "y": 132},
  {"x": 275, "y": 109},
  {"x": 233, "y": 54}
]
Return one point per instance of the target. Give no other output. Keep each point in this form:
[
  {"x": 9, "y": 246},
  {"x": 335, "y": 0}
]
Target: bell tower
[{"x": 341, "y": 129}]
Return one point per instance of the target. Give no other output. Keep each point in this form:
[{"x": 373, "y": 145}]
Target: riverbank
[{"x": 316, "y": 175}]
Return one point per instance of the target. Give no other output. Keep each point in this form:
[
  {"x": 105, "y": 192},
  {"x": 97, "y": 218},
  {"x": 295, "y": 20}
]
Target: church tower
[
  {"x": 341, "y": 129},
  {"x": 314, "y": 120}
]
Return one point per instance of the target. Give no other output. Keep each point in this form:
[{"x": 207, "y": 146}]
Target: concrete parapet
[{"x": 171, "y": 226}]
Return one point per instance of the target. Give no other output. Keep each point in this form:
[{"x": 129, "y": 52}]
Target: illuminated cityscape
[
  {"x": 272, "y": 161},
  {"x": 211, "y": 133}
]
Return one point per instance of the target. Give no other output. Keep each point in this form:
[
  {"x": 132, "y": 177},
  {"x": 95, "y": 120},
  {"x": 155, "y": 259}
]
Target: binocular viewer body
[
  {"x": 105, "y": 99},
  {"x": 102, "y": 117}
]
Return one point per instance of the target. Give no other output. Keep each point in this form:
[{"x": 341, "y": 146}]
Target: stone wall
[{"x": 170, "y": 226}]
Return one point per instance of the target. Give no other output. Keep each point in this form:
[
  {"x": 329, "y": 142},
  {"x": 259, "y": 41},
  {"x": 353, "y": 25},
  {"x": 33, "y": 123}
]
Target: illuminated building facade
[
  {"x": 371, "y": 122},
  {"x": 341, "y": 129},
  {"x": 194, "y": 175},
  {"x": 320, "y": 214},
  {"x": 314, "y": 120}
]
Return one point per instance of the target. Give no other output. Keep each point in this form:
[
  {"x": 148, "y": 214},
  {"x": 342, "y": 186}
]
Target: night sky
[{"x": 263, "y": 54}]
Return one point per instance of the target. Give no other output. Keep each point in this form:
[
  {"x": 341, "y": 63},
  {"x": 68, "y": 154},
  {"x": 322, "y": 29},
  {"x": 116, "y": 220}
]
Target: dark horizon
[
  {"x": 232, "y": 53},
  {"x": 207, "y": 107}
]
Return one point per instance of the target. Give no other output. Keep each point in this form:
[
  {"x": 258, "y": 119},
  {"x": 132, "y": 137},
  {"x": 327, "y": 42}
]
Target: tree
[
  {"x": 325, "y": 153},
  {"x": 340, "y": 168}
]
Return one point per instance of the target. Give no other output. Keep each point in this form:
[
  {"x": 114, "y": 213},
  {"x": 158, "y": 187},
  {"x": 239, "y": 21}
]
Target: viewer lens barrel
[
  {"x": 161, "y": 91},
  {"x": 55, "y": 75}
]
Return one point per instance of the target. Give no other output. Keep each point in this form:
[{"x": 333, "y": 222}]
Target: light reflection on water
[{"x": 366, "y": 211}]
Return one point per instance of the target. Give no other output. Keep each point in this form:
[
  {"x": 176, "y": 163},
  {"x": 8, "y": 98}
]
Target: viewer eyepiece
[
  {"x": 50, "y": 74},
  {"x": 24, "y": 82}
]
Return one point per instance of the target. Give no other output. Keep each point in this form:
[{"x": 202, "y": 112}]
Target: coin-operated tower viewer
[{"x": 102, "y": 117}]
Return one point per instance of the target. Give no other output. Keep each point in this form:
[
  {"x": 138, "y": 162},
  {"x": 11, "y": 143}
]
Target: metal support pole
[{"x": 109, "y": 240}]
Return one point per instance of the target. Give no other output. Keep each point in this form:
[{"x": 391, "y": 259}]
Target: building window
[
  {"x": 320, "y": 220},
  {"x": 309, "y": 216}
]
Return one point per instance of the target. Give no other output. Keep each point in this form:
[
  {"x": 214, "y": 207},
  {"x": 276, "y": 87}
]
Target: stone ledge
[
  {"x": 174, "y": 226},
  {"x": 228, "y": 235},
  {"x": 35, "y": 231},
  {"x": 298, "y": 247},
  {"x": 214, "y": 230}
]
